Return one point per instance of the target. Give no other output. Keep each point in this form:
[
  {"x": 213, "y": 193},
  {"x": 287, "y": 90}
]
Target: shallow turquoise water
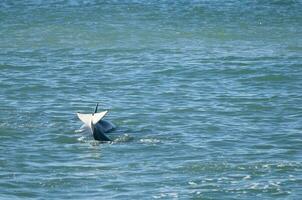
[{"x": 207, "y": 97}]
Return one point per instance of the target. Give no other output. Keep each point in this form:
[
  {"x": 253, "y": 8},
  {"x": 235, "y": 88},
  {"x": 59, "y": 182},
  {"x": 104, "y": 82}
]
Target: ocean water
[{"x": 206, "y": 95}]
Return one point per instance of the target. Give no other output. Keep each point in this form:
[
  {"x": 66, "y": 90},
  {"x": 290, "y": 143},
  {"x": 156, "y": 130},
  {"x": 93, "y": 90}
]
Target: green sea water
[{"x": 206, "y": 96}]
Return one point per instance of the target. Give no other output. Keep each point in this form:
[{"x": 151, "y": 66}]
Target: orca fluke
[{"x": 97, "y": 126}]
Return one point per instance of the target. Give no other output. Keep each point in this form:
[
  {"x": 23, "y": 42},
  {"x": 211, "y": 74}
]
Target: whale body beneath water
[{"x": 95, "y": 123}]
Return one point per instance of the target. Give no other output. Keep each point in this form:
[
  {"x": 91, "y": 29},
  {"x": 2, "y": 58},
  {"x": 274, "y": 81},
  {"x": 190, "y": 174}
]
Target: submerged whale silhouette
[{"x": 96, "y": 124}]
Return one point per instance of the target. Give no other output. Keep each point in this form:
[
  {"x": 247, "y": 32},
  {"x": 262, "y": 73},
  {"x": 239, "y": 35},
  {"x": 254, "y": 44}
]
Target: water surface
[{"x": 206, "y": 95}]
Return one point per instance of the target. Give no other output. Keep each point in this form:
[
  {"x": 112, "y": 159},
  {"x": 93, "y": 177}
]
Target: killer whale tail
[
  {"x": 92, "y": 122},
  {"x": 91, "y": 119}
]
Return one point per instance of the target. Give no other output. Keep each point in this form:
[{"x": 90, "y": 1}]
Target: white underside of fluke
[{"x": 94, "y": 118}]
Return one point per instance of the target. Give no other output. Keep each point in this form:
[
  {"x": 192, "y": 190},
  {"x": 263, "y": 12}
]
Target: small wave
[
  {"x": 192, "y": 183},
  {"x": 82, "y": 139},
  {"x": 270, "y": 185},
  {"x": 150, "y": 141},
  {"x": 123, "y": 138},
  {"x": 246, "y": 177},
  {"x": 168, "y": 195},
  {"x": 78, "y": 131}
]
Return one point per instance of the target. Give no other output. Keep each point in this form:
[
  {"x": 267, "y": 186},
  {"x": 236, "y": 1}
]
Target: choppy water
[{"x": 207, "y": 96}]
